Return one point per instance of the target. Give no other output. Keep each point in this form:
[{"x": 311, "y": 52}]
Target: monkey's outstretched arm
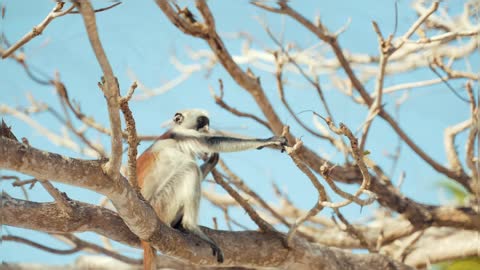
[
  {"x": 231, "y": 144},
  {"x": 213, "y": 143}
]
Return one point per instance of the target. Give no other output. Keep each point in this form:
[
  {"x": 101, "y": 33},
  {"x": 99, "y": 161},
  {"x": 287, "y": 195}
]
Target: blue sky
[{"x": 137, "y": 37}]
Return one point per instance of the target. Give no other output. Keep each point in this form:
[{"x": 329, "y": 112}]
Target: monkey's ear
[{"x": 178, "y": 118}]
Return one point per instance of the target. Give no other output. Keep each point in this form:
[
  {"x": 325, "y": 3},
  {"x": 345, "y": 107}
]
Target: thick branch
[
  {"x": 50, "y": 217},
  {"x": 247, "y": 80},
  {"x": 248, "y": 248}
]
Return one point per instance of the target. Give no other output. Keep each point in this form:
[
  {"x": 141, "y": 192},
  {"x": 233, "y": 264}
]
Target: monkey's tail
[{"x": 148, "y": 256}]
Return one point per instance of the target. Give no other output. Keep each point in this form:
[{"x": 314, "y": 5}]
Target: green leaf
[
  {"x": 458, "y": 192},
  {"x": 472, "y": 263}
]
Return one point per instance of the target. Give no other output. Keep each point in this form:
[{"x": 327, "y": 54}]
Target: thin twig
[
  {"x": 79, "y": 245},
  {"x": 132, "y": 138},
  {"x": 472, "y": 135},
  {"x": 65, "y": 102},
  {"x": 449, "y": 142},
  {"x": 37, "y": 30},
  {"x": 357, "y": 155},
  {"x": 290, "y": 59},
  {"x": 385, "y": 51},
  {"x": 219, "y": 101},
  {"x": 280, "y": 83},
  {"x": 239, "y": 183},
  {"x": 61, "y": 198},
  {"x": 446, "y": 82},
  {"x": 99, "y": 9},
  {"x": 417, "y": 24},
  {"x": 403, "y": 251},
  {"x": 90, "y": 121},
  {"x": 416, "y": 84},
  {"x": 261, "y": 223},
  {"x": 349, "y": 198},
  {"x": 445, "y": 37},
  {"x": 322, "y": 194},
  {"x": 354, "y": 232},
  {"x": 20, "y": 59},
  {"x": 54, "y": 138},
  {"x": 84, "y": 245},
  {"x": 40, "y": 246},
  {"x": 20, "y": 183}
]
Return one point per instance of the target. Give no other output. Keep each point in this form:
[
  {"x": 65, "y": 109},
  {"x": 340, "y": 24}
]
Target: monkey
[{"x": 170, "y": 178}]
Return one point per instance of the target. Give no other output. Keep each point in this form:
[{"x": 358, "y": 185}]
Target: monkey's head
[{"x": 192, "y": 119}]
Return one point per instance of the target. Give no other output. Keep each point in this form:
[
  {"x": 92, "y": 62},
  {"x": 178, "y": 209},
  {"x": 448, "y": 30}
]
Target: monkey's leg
[{"x": 191, "y": 206}]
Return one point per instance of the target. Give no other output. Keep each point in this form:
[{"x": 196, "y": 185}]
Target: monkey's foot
[{"x": 216, "y": 251}]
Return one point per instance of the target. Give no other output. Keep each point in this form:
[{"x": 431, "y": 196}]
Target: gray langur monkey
[{"x": 170, "y": 179}]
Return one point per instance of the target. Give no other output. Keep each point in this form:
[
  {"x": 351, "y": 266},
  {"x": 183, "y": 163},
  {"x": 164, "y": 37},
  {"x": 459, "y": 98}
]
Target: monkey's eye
[{"x": 178, "y": 118}]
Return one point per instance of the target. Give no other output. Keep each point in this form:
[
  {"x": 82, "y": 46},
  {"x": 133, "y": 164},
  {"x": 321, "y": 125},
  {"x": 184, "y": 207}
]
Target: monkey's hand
[{"x": 277, "y": 142}]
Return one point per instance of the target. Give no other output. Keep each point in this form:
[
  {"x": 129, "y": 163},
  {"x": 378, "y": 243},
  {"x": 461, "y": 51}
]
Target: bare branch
[
  {"x": 219, "y": 101},
  {"x": 79, "y": 245},
  {"x": 354, "y": 232},
  {"x": 247, "y": 80},
  {"x": 239, "y": 183},
  {"x": 63, "y": 201},
  {"x": 472, "y": 135},
  {"x": 450, "y": 134},
  {"x": 321, "y": 32},
  {"x": 417, "y": 24},
  {"x": 131, "y": 138},
  {"x": 278, "y": 76},
  {"x": 262, "y": 224},
  {"x": 37, "y": 30},
  {"x": 100, "y": 9},
  {"x": 40, "y": 246},
  {"x": 241, "y": 248},
  {"x": 385, "y": 47},
  {"x": 322, "y": 194},
  {"x": 110, "y": 89}
]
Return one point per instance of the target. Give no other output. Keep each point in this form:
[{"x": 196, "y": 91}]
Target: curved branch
[
  {"x": 25, "y": 241},
  {"x": 110, "y": 89}
]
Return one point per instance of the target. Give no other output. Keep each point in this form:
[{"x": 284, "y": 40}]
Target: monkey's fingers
[
  {"x": 279, "y": 142},
  {"x": 216, "y": 251}
]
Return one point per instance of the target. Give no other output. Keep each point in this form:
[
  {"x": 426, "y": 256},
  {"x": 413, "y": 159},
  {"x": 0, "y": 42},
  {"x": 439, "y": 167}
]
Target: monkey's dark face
[
  {"x": 192, "y": 119},
  {"x": 202, "y": 122}
]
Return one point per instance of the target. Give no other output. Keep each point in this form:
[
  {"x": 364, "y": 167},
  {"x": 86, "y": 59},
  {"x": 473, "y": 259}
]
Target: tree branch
[
  {"x": 322, "y": 33},
  {"x": 240, "y": 248},
  {"x": 110, "y": 89},
  {"x": 37, "y": 30}
]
